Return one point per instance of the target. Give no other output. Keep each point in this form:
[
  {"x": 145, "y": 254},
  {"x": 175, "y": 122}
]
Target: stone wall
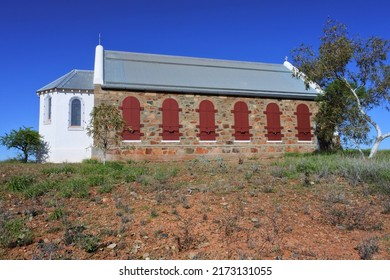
[{"x": 151, "y": 146}]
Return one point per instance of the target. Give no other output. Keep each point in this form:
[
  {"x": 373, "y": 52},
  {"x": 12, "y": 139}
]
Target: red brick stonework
[{"x": 152, "y": 147}]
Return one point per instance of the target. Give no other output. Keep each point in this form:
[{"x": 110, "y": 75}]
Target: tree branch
[{"x": 359, "y": 104}]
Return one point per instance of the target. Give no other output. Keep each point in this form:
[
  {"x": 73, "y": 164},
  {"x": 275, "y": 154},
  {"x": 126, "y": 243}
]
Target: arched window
[
  {"x": 207, "y": 121},
  {"x": 47, "y": 109},
  {"x": 131, "y": 111},
  {"x": 274, "y": 129},
  {"x": 170, "y": 120},
  {"x": 303, "y": 120},
  {"x": 75, "y": 112},
  {"x": 241, "y": 121}
]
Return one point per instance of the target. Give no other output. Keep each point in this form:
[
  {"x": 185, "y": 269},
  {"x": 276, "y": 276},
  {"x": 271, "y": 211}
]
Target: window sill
[
  {"x": 305, "y": 142},
  {"x": 242, "y": 141},
  {"x": 275, "y": 141},
  {"x": 75, "y": 128},
  {"x": 170, "y": 141},
  {"x": 47, "y": 122},
  {"x": 131, "y": 141},
  {"x": 207, "y": 141}
]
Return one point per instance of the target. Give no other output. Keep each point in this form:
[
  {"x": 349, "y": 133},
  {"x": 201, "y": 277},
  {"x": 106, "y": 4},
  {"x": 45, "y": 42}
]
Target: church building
[{"x": 178, "y": 108}]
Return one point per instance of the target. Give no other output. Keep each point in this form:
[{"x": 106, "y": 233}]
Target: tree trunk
[
  {"x": 104, "y": 157},
  {"x": 375, "y": 147},
  {"x": 25, "y": 155}
]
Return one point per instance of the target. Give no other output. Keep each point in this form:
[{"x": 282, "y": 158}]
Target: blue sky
[{"x": 42, "y": 40}]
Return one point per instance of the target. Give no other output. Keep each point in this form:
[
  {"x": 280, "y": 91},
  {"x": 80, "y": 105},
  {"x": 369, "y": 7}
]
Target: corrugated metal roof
[
  {"x": 75, "y": 79},
  {"x": 147, "y": 72}
]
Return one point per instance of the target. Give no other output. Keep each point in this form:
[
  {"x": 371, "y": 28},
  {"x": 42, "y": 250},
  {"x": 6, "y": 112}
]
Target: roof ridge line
[
  {"x": 205, "y": 59},
  {"x": 69, "y": 77}
]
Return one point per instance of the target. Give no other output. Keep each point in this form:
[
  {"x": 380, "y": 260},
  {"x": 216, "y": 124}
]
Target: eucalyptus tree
[{"x": 362, "y": 72}]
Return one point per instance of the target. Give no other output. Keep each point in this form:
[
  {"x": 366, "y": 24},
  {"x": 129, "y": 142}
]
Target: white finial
[
  {"x": 286, "y": 58},
  {"x": 98, "y": 69},
  {"x": 100, "y": 39}
]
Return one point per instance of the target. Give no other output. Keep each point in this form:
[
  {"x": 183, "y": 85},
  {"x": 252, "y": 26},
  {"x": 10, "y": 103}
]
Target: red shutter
[
  {"x": 241, "y": 121},
  {"x": 170, "y": 120},
  {"x": 207, "y": 121},
  {"x": 274, "y": 130},
  {"x": 131, "y": 114},
  {"x": 303, "y": 120}
]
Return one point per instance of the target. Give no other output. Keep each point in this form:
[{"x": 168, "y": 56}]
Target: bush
[
  {"x": 14, "y": 233},
  {"x": 57, "y": 214},
  {"x": 367, "y": 248},
  {"x": 89, "y": 243}
]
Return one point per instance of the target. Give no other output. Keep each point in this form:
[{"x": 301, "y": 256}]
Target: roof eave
[{"x": 203, "y": 91}]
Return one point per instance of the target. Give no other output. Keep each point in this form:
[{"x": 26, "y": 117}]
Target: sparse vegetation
[{"x": 200, "y": 209}]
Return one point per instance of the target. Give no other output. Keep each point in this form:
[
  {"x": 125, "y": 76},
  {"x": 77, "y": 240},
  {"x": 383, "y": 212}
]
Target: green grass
[
  {"x": 20, "y": 183},
  {"x": 13, "y": 233},
  {"x": 349, "y": 165}
]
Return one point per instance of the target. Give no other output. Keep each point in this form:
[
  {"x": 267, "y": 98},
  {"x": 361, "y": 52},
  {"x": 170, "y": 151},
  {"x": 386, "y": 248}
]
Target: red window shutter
[
  {"x": 274, "y": 129},
  {"x": 303, "y": 120},
  {"x": 206, "y": 121},
  {"x": 131, "y": 111},
  {"x": 241, "y": 121},
  {"x": 170, "y": 120}
]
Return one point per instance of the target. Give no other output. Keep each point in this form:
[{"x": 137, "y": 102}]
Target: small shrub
[
  {"x": 335, "y": 196},
  {"x": 72, "y": 234},
  {"x": 386, "y": 206},
  {"x": 20, "y": 183},
  {"x": 46, "y": 251},
  {"x": 367, "y": 248},
  {"x": 153, "y": 213},
  {"x": 351, "y": 216},
  {"x": 106, "y": 188},
  {"x": 268, "y": 189},
  {"x": 57, "y": 214},
  {"x": 89, "y": 243},
  {"x": 13, "y": 233}
]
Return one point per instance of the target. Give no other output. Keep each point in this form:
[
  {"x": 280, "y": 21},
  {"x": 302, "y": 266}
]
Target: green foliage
[
  {"x": 20, "y": 183},
  {"x": 375, "y": 173},
  {"x": 89, "y": 243},
  {"x": 13, "y": 233},
  {"x": 105, "y": 188},
  {"x": 338, "y": 111},
  {"x": 355, "y": 75},
  {"x": 106, "y": 126},
  {"x": 39, "y": 189},
  {"x": 61, "y": 169},
  {"x": 74, "y": 187},
  {"x": 57, "y": 214},
  {"x": 27, "y": 141},
  {"x": 133, "y": 173}
]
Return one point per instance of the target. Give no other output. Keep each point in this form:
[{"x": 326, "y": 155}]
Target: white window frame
[
  {"x": 47, "y": 109},
  {"x": 81, "y": 126}
]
